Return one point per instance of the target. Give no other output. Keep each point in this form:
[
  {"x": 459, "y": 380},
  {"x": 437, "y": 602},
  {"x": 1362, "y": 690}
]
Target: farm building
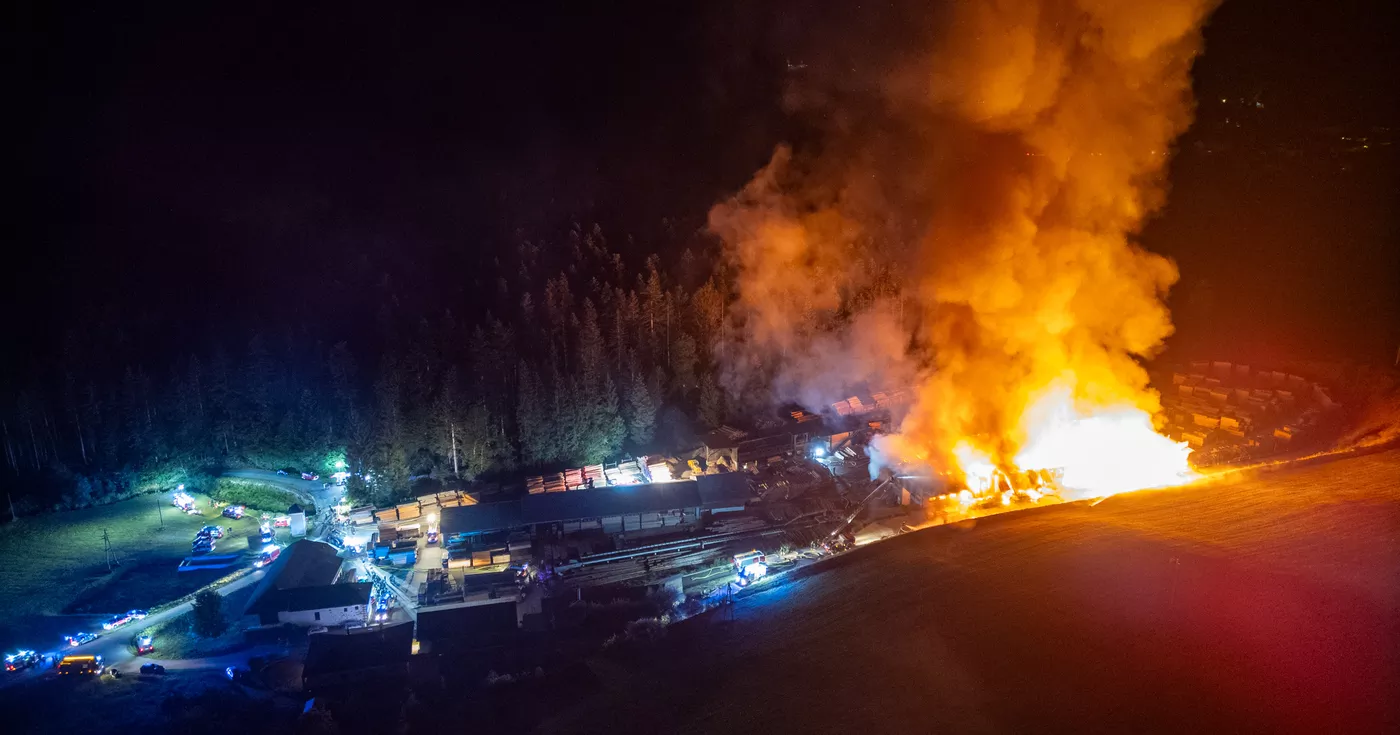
[
  {"x": 303, "y": 564},
  {"x": 327, "y": 604}
]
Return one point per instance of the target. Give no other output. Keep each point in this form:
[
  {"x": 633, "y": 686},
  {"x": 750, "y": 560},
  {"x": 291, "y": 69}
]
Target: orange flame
[{"x": 1110, "y": 450}]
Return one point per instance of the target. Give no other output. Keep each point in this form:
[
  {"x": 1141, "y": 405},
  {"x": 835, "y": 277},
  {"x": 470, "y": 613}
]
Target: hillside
[{"x": 1262, "y": 601}]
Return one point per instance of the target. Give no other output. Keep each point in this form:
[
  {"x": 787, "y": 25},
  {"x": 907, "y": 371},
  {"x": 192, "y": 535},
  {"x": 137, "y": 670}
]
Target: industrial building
[{"x": 609, "y": 510}]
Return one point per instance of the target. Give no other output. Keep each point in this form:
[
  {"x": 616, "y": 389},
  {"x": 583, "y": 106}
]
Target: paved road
[
  {"x": 113, "y": 646},
  {"x": 316, "y": 491}
]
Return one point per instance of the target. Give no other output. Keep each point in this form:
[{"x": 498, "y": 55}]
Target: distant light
[
  {"x": 181, "y": 486},
  {"x": 818, "y": 452},
  {"x": 340, "y": 464}
]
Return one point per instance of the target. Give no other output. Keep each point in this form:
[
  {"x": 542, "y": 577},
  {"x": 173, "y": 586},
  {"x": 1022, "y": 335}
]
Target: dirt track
[{"x": 1266, "y": 602}]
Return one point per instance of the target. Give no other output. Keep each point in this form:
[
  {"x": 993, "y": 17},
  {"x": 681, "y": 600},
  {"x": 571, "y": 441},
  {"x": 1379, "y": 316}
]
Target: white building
[{"x": 330, "y": 604}]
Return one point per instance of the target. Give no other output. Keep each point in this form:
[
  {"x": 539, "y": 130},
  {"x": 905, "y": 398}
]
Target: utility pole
[
  {"x": 11, "y": 499},
  {"x": 107, "y": 548},
  {"x": 160, "y": 512},
  {"x": 455, "y": 471}
]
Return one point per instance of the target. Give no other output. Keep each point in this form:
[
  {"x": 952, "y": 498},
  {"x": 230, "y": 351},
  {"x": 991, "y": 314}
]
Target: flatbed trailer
[{"x": 202, "y": 563}]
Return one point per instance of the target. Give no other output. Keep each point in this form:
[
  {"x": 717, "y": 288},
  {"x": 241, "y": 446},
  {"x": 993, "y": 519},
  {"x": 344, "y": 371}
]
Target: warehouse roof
[
  {"x": 346, "y": 651},
  {"x": 569, "y": 506},
  {"x": 609, "y": 501},
  {"x": 481, "y": 518},
  {"x": 723, "y": 490}
]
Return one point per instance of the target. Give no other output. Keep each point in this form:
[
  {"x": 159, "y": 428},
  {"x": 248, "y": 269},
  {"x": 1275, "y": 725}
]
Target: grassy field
[
  {"x": 55, "y": 562},
  {"x": 1257, "y": 602},
  {"x": 175, "y": 638},
  {"x": 254, "y": 494}
]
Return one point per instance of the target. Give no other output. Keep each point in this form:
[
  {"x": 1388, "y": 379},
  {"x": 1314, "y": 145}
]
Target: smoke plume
[{"x": 968, "y": 233}]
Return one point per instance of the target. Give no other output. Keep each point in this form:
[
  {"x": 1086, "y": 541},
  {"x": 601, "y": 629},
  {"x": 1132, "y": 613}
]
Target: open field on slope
[
  {"x": 54, "y": 562},
  {"x": 1264, "y": 601}
]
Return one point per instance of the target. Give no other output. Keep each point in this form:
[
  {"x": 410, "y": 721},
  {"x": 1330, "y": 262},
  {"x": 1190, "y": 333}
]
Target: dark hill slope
[{"x": 1261, "y": 602}]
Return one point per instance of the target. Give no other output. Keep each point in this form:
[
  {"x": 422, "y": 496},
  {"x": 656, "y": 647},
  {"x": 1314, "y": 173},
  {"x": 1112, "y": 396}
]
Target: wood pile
[{"x": 659, "y": 469}]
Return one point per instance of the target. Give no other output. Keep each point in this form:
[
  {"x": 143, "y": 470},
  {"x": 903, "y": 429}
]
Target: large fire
[
  {"x": 1107, "y": 451},
  {"x": 1018, "y": 304}
]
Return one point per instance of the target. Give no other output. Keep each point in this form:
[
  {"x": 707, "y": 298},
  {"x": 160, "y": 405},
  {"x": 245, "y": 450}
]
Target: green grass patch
[
  {"x": 51, "y": 560},
  {"x": 175, "y": 638},
  {"x": 257, "y": 495}
]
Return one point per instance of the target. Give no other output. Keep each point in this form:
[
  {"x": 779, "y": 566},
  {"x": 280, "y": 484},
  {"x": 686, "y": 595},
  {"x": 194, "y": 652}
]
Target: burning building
[{"x": 973, "y": 237}]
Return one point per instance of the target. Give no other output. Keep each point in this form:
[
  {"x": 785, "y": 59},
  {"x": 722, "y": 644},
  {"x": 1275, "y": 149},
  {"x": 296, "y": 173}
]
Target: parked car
[
  {"x": 78, "y": 639},
  {"x": 21, "y": 659},
  {"x": 144, "y": 645},
  {"x": 281, "y": 522},
  {"x": 234, "y": 511},
  {"x": 137, "y": 614},
  {"x": 310, "y": 476},
  {"x": 215, "y": 531},
  {"x": 281, "y": 472},
  {"x": 152, "y": 669}
]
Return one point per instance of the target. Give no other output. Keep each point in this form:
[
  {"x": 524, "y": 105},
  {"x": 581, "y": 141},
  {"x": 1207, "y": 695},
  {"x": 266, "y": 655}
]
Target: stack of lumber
[{"x": 659, "y": 469}]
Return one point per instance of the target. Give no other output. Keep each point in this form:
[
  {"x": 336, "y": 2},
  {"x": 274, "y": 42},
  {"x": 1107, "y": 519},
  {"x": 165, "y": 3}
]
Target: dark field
[{"x": 1258, "y": 602}]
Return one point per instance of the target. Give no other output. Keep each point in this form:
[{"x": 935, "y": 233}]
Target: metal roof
[
  {"x": 609, "y": 501},
  {"x": 481, "y": 518},
  {"x": 376, "y": 647},
  {"x": 723, "y": 490},
  {"x": 570, "y": 506}
]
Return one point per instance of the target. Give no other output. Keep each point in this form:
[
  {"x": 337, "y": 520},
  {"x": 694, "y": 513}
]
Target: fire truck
[
  {"x": 750, "y": 567},
  {"x": 80, "y": 665}
]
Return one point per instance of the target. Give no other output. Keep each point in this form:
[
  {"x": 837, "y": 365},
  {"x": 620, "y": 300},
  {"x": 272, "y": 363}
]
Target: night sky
[{"x": 190, "y": 170}]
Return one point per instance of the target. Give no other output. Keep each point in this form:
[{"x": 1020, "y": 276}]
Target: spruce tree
[{"x": 641, "y": 412}]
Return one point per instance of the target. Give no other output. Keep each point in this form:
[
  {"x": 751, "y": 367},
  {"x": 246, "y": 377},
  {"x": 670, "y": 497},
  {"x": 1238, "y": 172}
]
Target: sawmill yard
[{"x": 1262, "y": 600}]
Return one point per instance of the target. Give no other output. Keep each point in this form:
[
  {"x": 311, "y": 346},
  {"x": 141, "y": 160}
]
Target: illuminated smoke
[{"x": 1039, "y": 138}]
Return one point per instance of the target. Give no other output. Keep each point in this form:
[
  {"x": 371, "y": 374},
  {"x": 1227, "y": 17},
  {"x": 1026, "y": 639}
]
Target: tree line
[{"x": 573, "y": 356}]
